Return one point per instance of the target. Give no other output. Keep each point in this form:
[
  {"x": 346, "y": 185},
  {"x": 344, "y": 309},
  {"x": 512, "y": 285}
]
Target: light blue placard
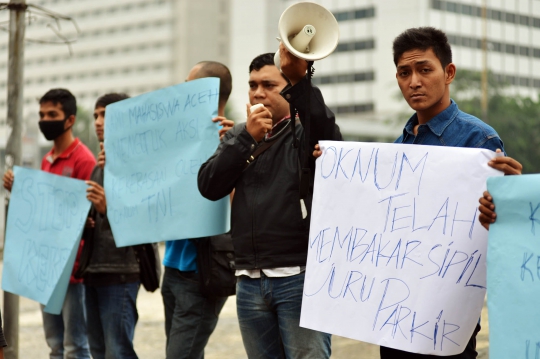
[
  {"x": 513, "y": 262},
  {"x": 155, "y": 144},
  {"x": 46, "y": 217}
]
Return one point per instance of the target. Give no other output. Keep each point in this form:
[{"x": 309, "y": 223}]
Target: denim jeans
[
  {"x": 269, "y": 316},
  {"x": 111, "y": 322},
  {"x": 66, "y": 333},
  {"x": 190, "y": 318}
]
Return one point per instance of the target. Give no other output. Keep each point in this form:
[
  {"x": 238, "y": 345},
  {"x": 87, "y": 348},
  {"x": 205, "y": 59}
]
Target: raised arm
[{"x": 322, "y": 120}]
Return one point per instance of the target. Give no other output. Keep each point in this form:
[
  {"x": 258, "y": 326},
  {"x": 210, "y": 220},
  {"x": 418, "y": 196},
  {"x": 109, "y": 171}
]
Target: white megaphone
[{"x": 309, "y": 31}]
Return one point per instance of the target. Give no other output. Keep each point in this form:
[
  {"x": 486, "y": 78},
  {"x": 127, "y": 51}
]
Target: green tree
[
  {"x": 84, "y": 129},
  {"x": 515, "y": 118}
]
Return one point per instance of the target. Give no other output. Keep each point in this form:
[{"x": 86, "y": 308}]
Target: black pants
[{"x": 469, "y": 353}]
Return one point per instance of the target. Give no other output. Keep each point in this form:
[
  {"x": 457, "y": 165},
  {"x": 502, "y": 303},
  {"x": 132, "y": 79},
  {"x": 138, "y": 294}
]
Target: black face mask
[{"x": 52, "y": 129}]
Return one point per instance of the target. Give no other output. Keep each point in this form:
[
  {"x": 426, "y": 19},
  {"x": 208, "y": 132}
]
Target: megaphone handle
[
  {"x": 307, "y": 119},
  {"x": 311, "y": 71},
  {"x": 305, "y": 172},
  {"x": 292, "y": 125}
]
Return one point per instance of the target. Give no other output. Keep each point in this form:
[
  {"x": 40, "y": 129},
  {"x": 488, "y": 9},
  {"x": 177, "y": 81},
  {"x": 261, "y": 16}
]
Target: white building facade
[
  {"x": 358, "y": 80},
  {"x": 131, "y": 46},
  {"x": 135, "y": 46}
]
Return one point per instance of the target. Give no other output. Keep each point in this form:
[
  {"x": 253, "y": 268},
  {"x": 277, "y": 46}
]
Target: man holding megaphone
[{"x": 260, "y": 159}]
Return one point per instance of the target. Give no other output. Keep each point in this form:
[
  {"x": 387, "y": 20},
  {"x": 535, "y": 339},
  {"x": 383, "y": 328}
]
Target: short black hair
[
  {"x": 217, "y": 69},
  {"x": 62, "y": 97},
  {"x": 423, "y": 38},
  {"x": 109, "y": 98},
  {"x": 264, "y": 60}
]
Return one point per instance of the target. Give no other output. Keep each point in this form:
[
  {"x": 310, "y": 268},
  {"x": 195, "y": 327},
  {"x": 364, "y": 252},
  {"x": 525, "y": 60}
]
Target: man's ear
[
  {"x": 450, "y": 73},
  {"x": 70, "y": 121}
]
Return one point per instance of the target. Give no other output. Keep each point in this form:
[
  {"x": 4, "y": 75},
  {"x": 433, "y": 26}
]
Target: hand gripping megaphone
[{"x": 309, "y": 31}]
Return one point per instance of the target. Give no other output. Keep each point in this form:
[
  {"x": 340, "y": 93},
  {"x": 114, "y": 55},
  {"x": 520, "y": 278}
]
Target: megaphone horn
[{"x": 309, "y": 31}]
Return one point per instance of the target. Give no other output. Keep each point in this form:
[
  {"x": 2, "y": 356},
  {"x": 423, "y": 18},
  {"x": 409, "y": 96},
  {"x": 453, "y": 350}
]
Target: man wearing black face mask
[{"x": 68, "y": 157}]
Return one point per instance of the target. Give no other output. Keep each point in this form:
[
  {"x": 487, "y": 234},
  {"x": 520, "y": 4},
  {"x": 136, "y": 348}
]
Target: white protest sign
[{"x": 396, "y": 253}]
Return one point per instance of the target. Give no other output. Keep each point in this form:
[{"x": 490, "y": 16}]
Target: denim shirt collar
[{"x": 437, "y": 124}]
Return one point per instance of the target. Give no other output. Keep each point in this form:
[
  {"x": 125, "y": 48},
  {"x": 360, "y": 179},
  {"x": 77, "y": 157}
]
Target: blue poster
[
  {"x": 46, "y": 218},
  {"x": 155, "y": 144},
  {"x": 513, "y": 263}
]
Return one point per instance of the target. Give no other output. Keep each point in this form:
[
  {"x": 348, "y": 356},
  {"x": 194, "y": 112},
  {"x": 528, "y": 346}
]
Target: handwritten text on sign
[
  {"x": 46, "y": 217},
  {"x": 396, "y": 254},
  {"x": 155, "y": 144},
  {"x": 514, "y": 268}
]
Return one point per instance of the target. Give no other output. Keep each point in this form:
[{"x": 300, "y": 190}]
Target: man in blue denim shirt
[
  {"x": 423, "y": 59},
  {"x": 451, "y": 127},
  {"x": 425, "y": 70}
]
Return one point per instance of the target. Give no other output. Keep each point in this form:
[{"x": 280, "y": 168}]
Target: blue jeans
[
  {"x": 112, "y": 319},
  {"x": 190, "y": 318},
  {"x": 269, "y": 316},
  {"x": 66, "y": 333}
]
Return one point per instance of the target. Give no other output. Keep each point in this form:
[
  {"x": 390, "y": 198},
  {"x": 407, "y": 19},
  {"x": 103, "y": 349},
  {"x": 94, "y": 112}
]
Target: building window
[
  {"x": 355, "y": 14},
  {"x": 494, "y": 46},
  {"x": 511, "y": 18},
  {"x": 476, "y": 11},
  {"x": 510, "y": 49},
  {"x": 353, "y": 108},
  {"x": 356, "y": 45},
  {"x": 496, "y": 15},
  {"x": 344, "y": 78},
  {"x": 518, "y": 80},
  {"x": 466, "y": 9},
  {"x": 452, "y": 7}
]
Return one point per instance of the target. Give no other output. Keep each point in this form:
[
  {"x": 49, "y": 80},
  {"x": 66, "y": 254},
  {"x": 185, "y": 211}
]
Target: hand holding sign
[
  {"x": 508, "y": 166},
  {"x": 101, "y": 156},
  {"x": 225, "y": 124},
  {"x": 8, "y": 180},
  {"x": 96, "y": 195}
]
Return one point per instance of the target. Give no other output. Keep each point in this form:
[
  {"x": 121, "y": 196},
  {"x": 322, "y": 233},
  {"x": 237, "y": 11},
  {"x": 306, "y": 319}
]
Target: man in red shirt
[{"x": 65, "y": 333}]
